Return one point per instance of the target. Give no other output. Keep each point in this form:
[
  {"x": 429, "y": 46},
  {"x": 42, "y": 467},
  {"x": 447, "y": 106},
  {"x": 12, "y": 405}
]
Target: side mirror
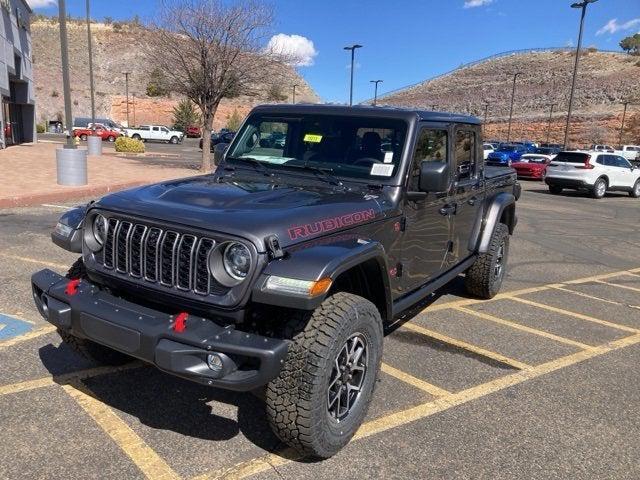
[
  {"x": 218, "y": 153},
  {"x": 434, "y": 176}
]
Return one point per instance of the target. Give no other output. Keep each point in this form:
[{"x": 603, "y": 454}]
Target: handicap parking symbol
[{"x": 12, "y": 327}]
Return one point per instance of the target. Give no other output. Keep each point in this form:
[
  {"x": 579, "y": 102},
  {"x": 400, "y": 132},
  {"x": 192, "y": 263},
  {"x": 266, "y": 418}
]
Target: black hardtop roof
[{"x": 385, "y": 111}]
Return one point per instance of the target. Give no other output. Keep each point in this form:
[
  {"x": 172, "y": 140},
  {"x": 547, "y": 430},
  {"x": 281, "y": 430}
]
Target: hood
[{"x": 254, "y": 209}]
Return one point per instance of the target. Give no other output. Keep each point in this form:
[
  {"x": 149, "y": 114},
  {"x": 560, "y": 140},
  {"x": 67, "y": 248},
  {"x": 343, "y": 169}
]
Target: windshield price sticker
[
  {"x": 382, "y": 169},
  {"x": 388, "y": 157},
  {"x": 312, "y": 138}
]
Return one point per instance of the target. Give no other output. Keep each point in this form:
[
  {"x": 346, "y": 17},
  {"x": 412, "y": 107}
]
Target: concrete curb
[{"x": 69, "y": 194}]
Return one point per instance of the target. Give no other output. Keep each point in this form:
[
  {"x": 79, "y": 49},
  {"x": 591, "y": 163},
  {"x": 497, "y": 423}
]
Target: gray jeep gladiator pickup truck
[{"x": 279, "y": 270}]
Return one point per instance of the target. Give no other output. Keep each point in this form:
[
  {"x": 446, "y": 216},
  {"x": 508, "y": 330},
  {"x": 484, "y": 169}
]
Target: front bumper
[{"x": 249, "y": 360}]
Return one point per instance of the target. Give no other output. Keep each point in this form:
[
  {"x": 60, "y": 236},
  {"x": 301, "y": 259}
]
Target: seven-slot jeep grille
[{"x": 161, "y": 256}]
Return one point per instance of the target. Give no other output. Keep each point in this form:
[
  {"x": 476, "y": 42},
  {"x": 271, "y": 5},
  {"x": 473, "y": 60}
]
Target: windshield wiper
[
  {"x": 324, "y": 173},
  {"x": 257, "y": 164}
]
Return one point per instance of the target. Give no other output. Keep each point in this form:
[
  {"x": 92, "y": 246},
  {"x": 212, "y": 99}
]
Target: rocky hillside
[
  {"x": 117, "y": 48},
  {"x": 605, "y": 81}
]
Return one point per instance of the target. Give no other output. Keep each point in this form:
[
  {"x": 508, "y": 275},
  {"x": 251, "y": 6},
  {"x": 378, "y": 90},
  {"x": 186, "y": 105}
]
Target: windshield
[{"x": 357, "y": 147}]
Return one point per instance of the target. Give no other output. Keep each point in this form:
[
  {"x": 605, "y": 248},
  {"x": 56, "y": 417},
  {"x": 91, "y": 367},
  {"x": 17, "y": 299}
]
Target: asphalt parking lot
[{"x": 540, "y": 382}]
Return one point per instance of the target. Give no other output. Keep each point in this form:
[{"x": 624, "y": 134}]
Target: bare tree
[{"x": 211, "y": 49}]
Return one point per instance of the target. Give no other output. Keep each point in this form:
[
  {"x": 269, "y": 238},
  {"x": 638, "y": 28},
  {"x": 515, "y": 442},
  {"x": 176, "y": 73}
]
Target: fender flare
[
  {"x": 320, "y": 260},
  {"x": 74, "y": 219},
  {"x": 503, "y": 204}
]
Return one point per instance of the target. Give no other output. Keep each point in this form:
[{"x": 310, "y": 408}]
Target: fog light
[{"x": 215, "y": 362}]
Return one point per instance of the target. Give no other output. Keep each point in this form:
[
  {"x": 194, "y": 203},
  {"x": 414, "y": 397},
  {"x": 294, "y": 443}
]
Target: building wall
[{"x": 15, "y": 43}]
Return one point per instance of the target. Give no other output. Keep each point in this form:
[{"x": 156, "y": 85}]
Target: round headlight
[
  {"x": 99, "y": 229},
  {"x": 237, "y": 260}
]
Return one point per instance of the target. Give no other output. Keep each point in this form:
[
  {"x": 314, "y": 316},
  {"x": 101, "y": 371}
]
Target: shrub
[
  {"x": 40, "y": 128},
  {"x": 129, "y": 145}
]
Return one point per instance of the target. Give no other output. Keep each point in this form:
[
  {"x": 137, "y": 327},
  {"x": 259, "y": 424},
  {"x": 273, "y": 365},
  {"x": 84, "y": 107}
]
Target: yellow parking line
[
  {"x": 28, "y": 336},
  {"x": 145, "y": 458},
  {"x": 404, "y": 417},
  {"x": 65, "y": 378},
  {"x": 586, "y": 295},
  {"x": 416, "y": 382},
  {"x": 524, "y": 328},
  {"x": 576, "y": 315},
  {"x": 626, "y": 287},
  {"x": 35, "y": 260},
  {"x": 466, "y": 346}
]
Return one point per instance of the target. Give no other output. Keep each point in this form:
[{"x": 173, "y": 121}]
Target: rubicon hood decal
[{"x": 330, "y": 224}]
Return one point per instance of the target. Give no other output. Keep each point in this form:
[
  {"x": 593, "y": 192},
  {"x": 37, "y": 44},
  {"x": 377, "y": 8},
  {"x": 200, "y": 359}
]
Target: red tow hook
[
  {"x": 180, "y": 325},
  {"x": 72, "y": 287}
]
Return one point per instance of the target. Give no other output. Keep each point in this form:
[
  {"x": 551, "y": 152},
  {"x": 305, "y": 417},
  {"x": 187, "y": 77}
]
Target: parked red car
[
  {"x": 100, "y": 130},
  {"x": 193, "y": 132},
  {"x": 532, "y": 166}
]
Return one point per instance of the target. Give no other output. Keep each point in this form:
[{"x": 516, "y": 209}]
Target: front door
[{"x": 428, "y": 221}]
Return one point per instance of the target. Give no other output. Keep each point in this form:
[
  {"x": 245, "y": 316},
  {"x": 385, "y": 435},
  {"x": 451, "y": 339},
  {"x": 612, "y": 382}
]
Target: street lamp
[
  {"x": 133, "y": 96},
  {"x": 126, "y": 91},
  {"x": 549, "y": 122},
  {"x": 353, "y": 54},
  {"x": 583, "y": 6},
  {"x": 294, "y": 93},
  {"x": 375, "y": 91},
  {"x": 513, "y": 95},
  {"x": 624, "y": 114},
  {"x": 93, "y": 101}
]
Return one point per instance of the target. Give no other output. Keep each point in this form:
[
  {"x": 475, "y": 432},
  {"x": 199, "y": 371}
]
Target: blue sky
[{"x": 408, "y": 41}]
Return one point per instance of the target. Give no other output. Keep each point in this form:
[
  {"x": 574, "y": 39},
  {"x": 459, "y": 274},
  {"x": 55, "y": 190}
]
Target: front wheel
[
  {"x": 173, "y": 140},
  {"x": 635, "y": 191},
  {"x": 484, "y": 278},
  {"x": 83, "y": 137},
  {"x": 111, "y": 138},
  {"x": 323, "y": 392}
]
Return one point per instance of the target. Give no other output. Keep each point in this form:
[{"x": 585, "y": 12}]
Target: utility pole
[
  {"x": 353, "y": 55},
  {"x": 513, "y": 95},
  {"x": 549, "y": 122},
  {"x": 583, "y": 6},
  {"x": 486, "y": 111},
  {"x": 126, "y": 89},
  {"x": 433, "y": 107},
  {"x": 93, "y": 101},
  {"x": 294, "y": 93},
  {"x": 133, "y": 96},
  {"x": 375, "y": 91},
  {"x": 624, "y": 114},
  {"x": 66, "y": 86}
]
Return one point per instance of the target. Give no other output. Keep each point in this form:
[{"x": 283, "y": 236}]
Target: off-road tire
[
  {"x": 481, "y": 279},
  {"x": 596, "y": 191},
  {"x": 635, "y": 190},
  {"x": 555, "y": 189},
  {"x": 297, "y": 400},
  {"x": 88, "y": 349}
]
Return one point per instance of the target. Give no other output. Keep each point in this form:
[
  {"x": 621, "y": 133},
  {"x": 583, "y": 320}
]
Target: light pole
[
  {"x": 583, "y": 6},
  {"x": 484, "y": 120},
  {"x": 549, "y": 122},
  {"x": 433, "y": 107},
  {"x": 294, "y": 93},
  {"x": 513, "y": 96},
  {"x": 66, "y": 86},
  {"x": 353, "y": 55},
  {"x": 624, "y": 114},
  {"x": 133, "y": 96},
  {"x": 93, "y": 101},
  {"x": 375, "y": 90},
  {"x": 126, "y": 90}
]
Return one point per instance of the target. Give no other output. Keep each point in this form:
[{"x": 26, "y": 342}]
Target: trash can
[
  {"x": 94, "y": 145},
  {"x": 71, "y": 166}
]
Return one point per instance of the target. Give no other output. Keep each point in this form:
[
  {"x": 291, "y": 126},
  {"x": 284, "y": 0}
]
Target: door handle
[{"x": 449, "y": 209}]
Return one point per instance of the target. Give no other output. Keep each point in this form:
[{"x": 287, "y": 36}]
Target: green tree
[
  {"x": 631, "y": 44},
  {"x": 233, "y": 121},
  {"x": 185, "y": 115},
  {"x": 157, "y": 85}
]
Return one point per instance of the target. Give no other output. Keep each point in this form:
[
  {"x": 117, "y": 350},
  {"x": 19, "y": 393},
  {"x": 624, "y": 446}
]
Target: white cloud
[
  {"x": 300, "y": 49},
  {"x": 41, "y": 3},
  {"x": 476, "y": 3},
  {"x": 613, "y": 26}
]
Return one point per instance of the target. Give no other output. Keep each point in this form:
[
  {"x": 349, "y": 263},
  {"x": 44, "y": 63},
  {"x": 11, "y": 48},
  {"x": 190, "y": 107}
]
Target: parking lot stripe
[
  {"x": 585, "y": 295},
  {"x": 626, "y": 287},
  {"x": 145, "y": 458},
  {"x": 28, "y": 385},
  {"x": 27, "y": 336},
  {"x": 404, "y": 417},
  {"x": 35, "y": 260},
  {"x": 524, "y": 328},
  {"x": 413, "y": 381},
  {"x": 576, "y": 315},
  {"x": 466, "y": 346}
]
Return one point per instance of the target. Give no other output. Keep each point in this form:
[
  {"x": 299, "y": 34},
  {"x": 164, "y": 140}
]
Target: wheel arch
[{"x": 501, "y": 209}]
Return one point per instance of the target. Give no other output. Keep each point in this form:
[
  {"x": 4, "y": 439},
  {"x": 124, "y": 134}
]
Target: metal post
[
  {"x": 294, "y": 93},
  {"x": 133, "y": 96},
  {"x": 93, "y": 102},
  {"x": 353, "y": 56},
  {"x": 126, "y": 89},
  {"x": 624, "y": 114},
  {"x": 66, "y": 86},
  {"x": 484, "y": 120},
  {"x": 583, "y": 6},
  {"x": 513, "y": 95},
  {"x": 375, "y": 91},
  {"x": 549, "y": 122}
]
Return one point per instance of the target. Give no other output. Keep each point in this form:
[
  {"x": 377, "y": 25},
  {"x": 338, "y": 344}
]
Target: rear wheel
[
  {"x": 635, "y": 191},
  {"x": 88, "y": 349},
  {"x": 599, "y": 188},
  {"x": 322, "y": 394},
  {"x": 484, "y": 278},
  {"x": 83, "y": 137},
  {"x": 135, "y": 136},
  {"x": 111, "y": 138},
  {"x": 555, "y": 189}
]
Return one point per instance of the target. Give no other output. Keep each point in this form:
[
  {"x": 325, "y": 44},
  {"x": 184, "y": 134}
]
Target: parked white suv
[{"x": 595, "y": 172}]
